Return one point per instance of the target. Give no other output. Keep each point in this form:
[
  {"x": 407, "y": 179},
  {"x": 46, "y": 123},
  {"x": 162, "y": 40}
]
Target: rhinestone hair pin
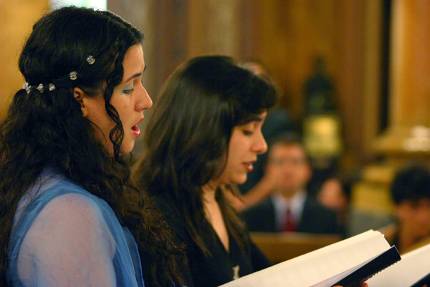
[
  {"x": 72, "y": 76},
  {"x": 40, "y": 88},
  {"x": 26, "y": 87},
  {"x": 91, "y": 60}
]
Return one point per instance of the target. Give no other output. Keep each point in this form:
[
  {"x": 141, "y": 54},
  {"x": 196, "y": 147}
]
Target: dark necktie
[{"x": 289, "y": 222}]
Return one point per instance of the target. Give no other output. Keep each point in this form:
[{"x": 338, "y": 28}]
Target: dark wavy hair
[
  {"x": 46, "y": 128},
  {"x": 411, "y": 183},
  {"x": 186, "y": 140}
]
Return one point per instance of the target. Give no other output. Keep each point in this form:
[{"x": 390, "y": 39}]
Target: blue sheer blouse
[{"x": 65, "y": 236}]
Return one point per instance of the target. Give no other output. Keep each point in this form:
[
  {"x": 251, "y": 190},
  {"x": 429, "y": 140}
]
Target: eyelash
[{"x": 130, "y": 91}]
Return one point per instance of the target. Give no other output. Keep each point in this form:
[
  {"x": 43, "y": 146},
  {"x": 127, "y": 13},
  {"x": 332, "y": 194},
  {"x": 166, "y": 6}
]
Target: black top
[{"x": 222, "y": 266}]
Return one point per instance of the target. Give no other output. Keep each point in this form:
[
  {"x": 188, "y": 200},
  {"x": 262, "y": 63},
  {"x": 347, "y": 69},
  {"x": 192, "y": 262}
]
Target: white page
[
  {"x": 320, "y": 265},
  {"x": 413, "y": 266},
  {"x": 338, "y": 277}
]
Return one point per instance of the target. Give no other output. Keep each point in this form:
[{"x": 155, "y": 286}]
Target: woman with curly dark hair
[
  {"x": 64, "y": 174},
  {"x": 204, "y": 135}
]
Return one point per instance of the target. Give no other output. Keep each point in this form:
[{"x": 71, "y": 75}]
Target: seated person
[
  {"x": 335, "y": 194},
  {"x": 289, "y": 208},
  {"x": 410, "y": 191}
]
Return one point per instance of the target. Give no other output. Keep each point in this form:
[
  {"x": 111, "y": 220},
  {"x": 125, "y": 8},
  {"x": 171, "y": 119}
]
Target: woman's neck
[
  {"x": 209, "y": 192},
  {"x": 213, "y": 213}
]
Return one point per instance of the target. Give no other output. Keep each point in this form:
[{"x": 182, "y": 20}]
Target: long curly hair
[
  {"x": 45, "y": 128},
  {"x": 186, "y": 140}
]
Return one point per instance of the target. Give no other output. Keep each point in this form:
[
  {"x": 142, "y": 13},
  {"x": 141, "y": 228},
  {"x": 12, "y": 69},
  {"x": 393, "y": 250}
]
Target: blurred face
[
  {"x": 129, "y": 98},
  {"x": 414, "y": 217},
  {"x": 332, "y": 196},
  {"x": 288, "y": 165},
  {"x": 246, "y": 143}
]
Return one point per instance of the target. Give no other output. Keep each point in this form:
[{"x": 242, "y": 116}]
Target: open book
[
  {"x": 413, "y": 267},
  {"x": 348, "y": 261}
]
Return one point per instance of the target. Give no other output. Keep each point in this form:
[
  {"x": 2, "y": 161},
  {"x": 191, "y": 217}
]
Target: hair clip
[
  {"x": 73, "y": 75},
  {"x": 40, "y": 88},
  {"x": 26, "y": 87},
  {"x": 51, "y": 87},
  {"x": 91, "y": 60}
]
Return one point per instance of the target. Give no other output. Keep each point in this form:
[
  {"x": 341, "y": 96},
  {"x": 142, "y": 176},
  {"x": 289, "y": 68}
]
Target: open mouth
[
  {"x": 135, "y": 130},
  {"x": 249, "y": 166}
]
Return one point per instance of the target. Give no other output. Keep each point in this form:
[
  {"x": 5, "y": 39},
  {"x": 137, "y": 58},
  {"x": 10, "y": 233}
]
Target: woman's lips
[{"x": 135, "y": 130}]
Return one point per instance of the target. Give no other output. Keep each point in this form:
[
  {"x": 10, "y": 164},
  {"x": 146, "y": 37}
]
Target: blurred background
[{"x": 353, "y": 76}]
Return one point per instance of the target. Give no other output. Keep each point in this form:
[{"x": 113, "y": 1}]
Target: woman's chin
[
  {"x": 239, "y": 179},
  {"x": 127, "y": 148}
]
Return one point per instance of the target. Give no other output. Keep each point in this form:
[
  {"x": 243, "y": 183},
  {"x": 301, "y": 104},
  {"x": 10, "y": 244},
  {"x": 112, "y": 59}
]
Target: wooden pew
[{"x": 279, "y": 247}]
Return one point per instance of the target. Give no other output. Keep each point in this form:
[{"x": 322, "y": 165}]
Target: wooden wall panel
[
  {"x": 285, "y": 35},
  {"x": 18, "y": 18}
]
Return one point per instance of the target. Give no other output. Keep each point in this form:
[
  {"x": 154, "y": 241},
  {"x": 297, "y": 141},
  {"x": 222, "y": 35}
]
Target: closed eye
[
  {"x": 128, "y": 89},
  {"x": 248, "y": 132}
]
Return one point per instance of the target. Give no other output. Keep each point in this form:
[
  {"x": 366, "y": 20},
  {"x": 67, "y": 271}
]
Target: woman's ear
[{"x": 80, "y": 96}]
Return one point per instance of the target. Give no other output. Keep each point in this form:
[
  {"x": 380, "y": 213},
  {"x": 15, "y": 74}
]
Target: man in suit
[{"x": 289, "y": 208}]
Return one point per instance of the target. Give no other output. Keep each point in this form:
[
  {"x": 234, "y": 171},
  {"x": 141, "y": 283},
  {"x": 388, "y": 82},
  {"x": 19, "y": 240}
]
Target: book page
[
  {"x": 413, "y": 266},
  {"x": 338, "y": 277},
  {"x": 319, "y": 266}
]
